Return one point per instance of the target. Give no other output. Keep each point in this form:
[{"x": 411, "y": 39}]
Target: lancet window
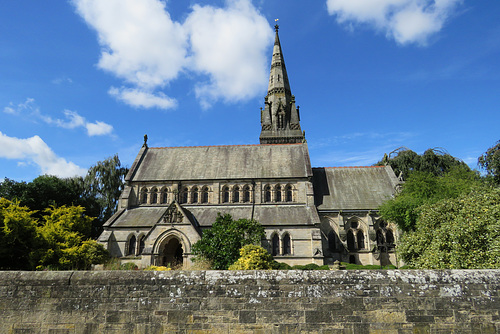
[
  {"x": 225, "y": 194},
  {"x": 267, "y": 193},
  {"x": 194, "y": 198},
  {"x": 154, "y": 196},
  {"x": 236, "y": 194},
  {"x": 144, "y": 196},
  {"x": 131, "y": 245},
  {"x": 277, "y": 195},
  {"x": 275, "y": 244},
  {"x": 289, "y": 193},
  {"x": 246, "y": 194},
  {"x": 287, "y": 244},
  {"x": 204, "y": 195}
]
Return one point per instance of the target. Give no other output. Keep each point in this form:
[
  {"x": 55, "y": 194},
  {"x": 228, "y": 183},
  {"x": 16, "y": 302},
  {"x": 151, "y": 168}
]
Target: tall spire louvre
[{"x": 280, "y": 118}]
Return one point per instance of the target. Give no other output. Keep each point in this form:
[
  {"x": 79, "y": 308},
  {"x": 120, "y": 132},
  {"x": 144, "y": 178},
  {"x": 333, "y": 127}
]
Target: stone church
[{"x": 310, "y": 215}]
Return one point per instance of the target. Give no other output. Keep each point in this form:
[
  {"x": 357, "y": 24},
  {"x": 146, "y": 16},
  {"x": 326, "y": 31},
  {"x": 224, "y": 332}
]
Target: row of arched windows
[
  {"x": 278, "y": 193},
  {"x": 281, "y": 247},
  {"x": 236, "y": 194},
  {"x": 233, "y": 194},
  {"x": 135, "y": 246}
]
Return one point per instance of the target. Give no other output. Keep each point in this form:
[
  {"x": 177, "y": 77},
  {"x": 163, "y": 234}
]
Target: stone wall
[{"x": 250, "y": 302}]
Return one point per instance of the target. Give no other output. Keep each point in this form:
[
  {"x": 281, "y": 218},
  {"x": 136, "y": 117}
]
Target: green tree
[
  {"x": 423, "y": 188},
  {"x": 18, "y": 236},
  {"x": 66, "y": 244},
  {"x": 456, "y": 233},
  {"x": 221, "y": 243},
  {"x": 434, "y": 161},
  {"x": 104, "y": 182},
  {"x": 490, "y": 161},
  {"x": 253, "y": 257}
]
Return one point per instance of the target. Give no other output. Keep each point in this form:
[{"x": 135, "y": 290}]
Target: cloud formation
[
  {"x": 72, "y": 119},
  {"x": 141, "y": 44},
  {"x": 35, "y": 150},
  {"x": 406, "y": 21}
]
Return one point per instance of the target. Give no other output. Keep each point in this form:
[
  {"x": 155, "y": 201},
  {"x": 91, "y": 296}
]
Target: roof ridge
[
  {"x": 350, "y": 167},
  {"x": 243, "y": 145}
]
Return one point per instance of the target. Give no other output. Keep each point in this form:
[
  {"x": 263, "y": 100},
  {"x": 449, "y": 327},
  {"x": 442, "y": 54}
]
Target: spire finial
[{"x": 276, "y": 27}]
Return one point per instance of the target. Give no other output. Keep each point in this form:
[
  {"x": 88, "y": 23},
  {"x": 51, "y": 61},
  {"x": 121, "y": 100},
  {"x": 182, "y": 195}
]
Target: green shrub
[
  {"x": 128, "y": 266},
  {"x": 280, "y": 265}
]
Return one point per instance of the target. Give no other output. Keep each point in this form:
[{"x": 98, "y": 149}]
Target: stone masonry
[{"x": 411, "y": 301}]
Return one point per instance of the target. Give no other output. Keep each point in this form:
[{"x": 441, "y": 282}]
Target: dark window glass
[
  {"x": 361, "y": 240},
  {"x": 350, "y": 241},
  {"x": 289, "y": 194},
  {"x": 275, "y": 245},
  {"x": 131, "y": 245},
  {"x": 286, "y": 245},
  {"x": 142, "y": 244}
]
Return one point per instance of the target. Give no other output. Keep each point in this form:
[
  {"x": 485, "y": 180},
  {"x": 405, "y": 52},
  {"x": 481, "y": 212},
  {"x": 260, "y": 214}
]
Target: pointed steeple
[{"x": 280, "y": 118}]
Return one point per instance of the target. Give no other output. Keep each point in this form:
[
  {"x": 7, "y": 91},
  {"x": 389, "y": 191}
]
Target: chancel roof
[
  {"x": 353, "y": 188},
  {"x": 221, "y": 162}
]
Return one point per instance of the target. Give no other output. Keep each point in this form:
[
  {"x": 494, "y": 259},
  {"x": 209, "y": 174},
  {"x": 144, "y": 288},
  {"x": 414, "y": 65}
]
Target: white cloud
[
  {"x": 35, "y": 150},
  {"x": 229, "y": 44},
  {"x": 141, "y": 44},
  {"x": 406, "y": 21},
  {"x": 72, "y": 118},
  {"x": 98, "y": 129},
  {"x": 143, "y": 98}
]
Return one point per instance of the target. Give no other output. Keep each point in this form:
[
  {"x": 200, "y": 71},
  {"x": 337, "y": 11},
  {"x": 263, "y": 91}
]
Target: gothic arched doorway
[{"x": 171, "y": 253}]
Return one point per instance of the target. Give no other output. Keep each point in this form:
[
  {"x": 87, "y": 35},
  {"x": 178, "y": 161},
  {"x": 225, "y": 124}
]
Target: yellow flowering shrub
[{"x": 253, "y": 257}]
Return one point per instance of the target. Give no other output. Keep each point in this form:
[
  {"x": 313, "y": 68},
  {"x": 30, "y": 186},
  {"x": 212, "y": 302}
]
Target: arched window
[
  {"x": 267, "y": 194},
  {"x": 287, "y": 249},
  {"x": 144, "y": 196},
  {"x": 332, "y": 241},
  {"x": 154, "y": 196},
  {"x": 131, "y": 245},
  {"x": 184, "y": 197},
  {"x": 141, "y": 244},
  {"x": 361, "y": 240},
  {"x": 277, "y": 197},
  {"x": 204, "y": 195},
  {"x": 389, "y": 238},
  {"x": 225, "y": 194},
  {"x": 351, "y": 242},
  {"x": 289, "y": 193},
  {"x": 246, "y": 194},
  {"x": 195, "y": 195},
  {"x": 275, "y": 242},
  {"x": 236, "y": 195},
  {"x": 164, "y": 196}
]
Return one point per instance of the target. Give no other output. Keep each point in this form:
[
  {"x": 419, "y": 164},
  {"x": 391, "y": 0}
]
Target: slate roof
[
  {"x": 267, "y": 215},
  {"x": 353, "y": 188},
  {"x": 221, "y": 162}
]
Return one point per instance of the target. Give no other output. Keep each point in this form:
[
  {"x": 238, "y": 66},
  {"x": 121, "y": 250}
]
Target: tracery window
[
  {"x": 131, "y": 245},
  {"x": 144, "y": 196},
  {"x": 225, "y": 194},
  {"x": 236, "y": 194},
  {"x": 246, "y": 194},
  {"x": 275, "y": 245},
  {"x": 287, "y": 249},
  {"x": 267, "y": 194},
  {"x": 195, "y": 195},
  {"x": 277, "y": 195},
  {"x": 289, "y": 193},
  {"x": 355, "y": 237}
]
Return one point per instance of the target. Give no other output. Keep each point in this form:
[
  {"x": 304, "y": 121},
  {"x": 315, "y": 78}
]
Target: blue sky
[{"x": 83, "y": 80}]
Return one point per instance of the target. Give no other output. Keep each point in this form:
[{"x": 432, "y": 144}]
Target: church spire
[{"x": 280, "y": 118}]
